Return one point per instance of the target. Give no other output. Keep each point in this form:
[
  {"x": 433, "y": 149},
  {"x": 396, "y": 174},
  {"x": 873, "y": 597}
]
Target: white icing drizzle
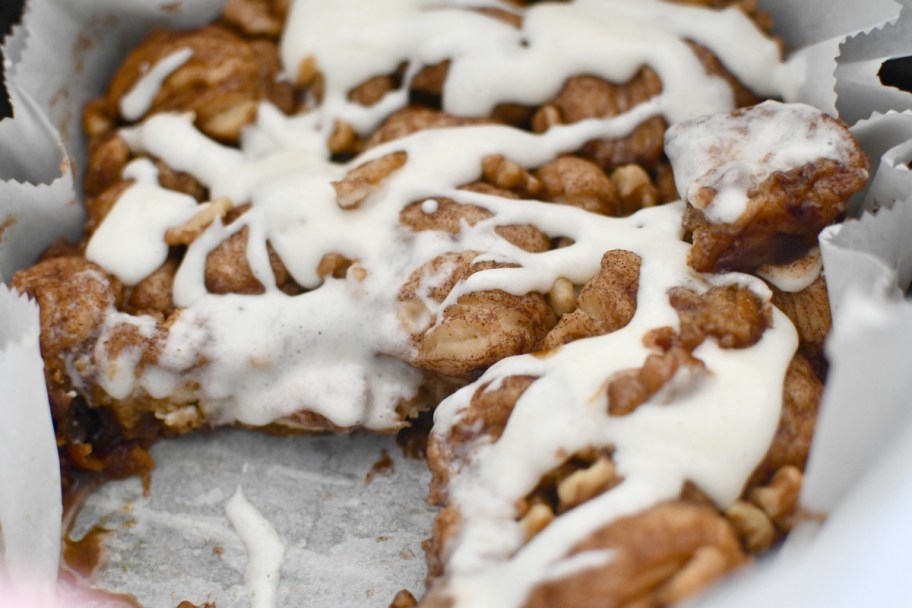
[
  {"x": 209, "y": 160},
  {"x": 139, "y": 98},
  {"x": 727, "y": 157},
  {"x": 492, "y": 62},
  {"x": 794, "y": 276},
  {"x": 337, "y": 350},
  {"x": 141, "y": 170},
  {"x": 265, "y": 550},
  {"x": 255, "y": 376},
  {"x": 120, "y": 370},
  {"x": 130, "y": 243},
  {"x": 429, "y": 206}
]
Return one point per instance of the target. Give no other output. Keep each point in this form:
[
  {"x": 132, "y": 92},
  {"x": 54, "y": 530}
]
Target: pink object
[
  {"x": 19, "y": 596},
  {"x": 68, "y": 595}
]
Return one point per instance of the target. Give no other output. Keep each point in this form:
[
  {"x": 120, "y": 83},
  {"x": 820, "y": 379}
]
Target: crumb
[
  {"x": 803, "y": 514},
  {"x": 384, "y": 466},
  {"x": 413, "y": 439},
  {"x": 404, "y": 599},
  {"x": 218, "y": 550},
  {"x": 6, "y": 224}
]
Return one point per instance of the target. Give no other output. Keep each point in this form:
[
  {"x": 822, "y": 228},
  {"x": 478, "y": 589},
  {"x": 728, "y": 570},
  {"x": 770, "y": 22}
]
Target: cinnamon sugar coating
[
  {"x": 809, "y": 311},
  {"x": 74, "y": 297},
  {"x": 477, "y": 330},
  {"x": 448, "y": 216},
  {"x": 221, "y": 83},
  {"x": 584, "y": 97},
  {"x": 228, "y": 270},
  {"x": 665, "y": 554},
  {"x": 256, "y": 17},
  {"x": 486, "y": 418},
  {"x": 605, "y": 303},
  {"x": 482, "y": 328},
  {"x": 791, "y": 209},
  {"x": 580, "y": 183},
  {"x": 412, "y": 119},
  {"x": 153, "y": 295}
]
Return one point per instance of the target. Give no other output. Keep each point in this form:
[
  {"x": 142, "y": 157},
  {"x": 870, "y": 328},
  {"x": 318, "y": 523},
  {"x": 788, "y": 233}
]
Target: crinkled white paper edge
[{"x": 30, "y": 502}]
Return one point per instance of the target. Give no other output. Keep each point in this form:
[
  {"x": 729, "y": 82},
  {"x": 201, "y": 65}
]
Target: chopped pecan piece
[
  {"x": 731, "y": 314},
  {"x": 674, "y": 372},
  {"x": 366, "y": 179}
]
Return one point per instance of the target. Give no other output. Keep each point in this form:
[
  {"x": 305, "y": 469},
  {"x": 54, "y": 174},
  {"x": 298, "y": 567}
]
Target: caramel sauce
[
  {"x": 404, "y": 599},
  {"x": 81, "y": 557},
  {"x": 84, "y": 556},
  {"x": 384, "y": 466}
]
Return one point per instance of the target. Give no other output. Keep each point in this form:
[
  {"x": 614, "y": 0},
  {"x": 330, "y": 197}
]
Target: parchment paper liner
[
  {"x": 65, "y": 52},
  {"x": 30, "y": 505}
]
